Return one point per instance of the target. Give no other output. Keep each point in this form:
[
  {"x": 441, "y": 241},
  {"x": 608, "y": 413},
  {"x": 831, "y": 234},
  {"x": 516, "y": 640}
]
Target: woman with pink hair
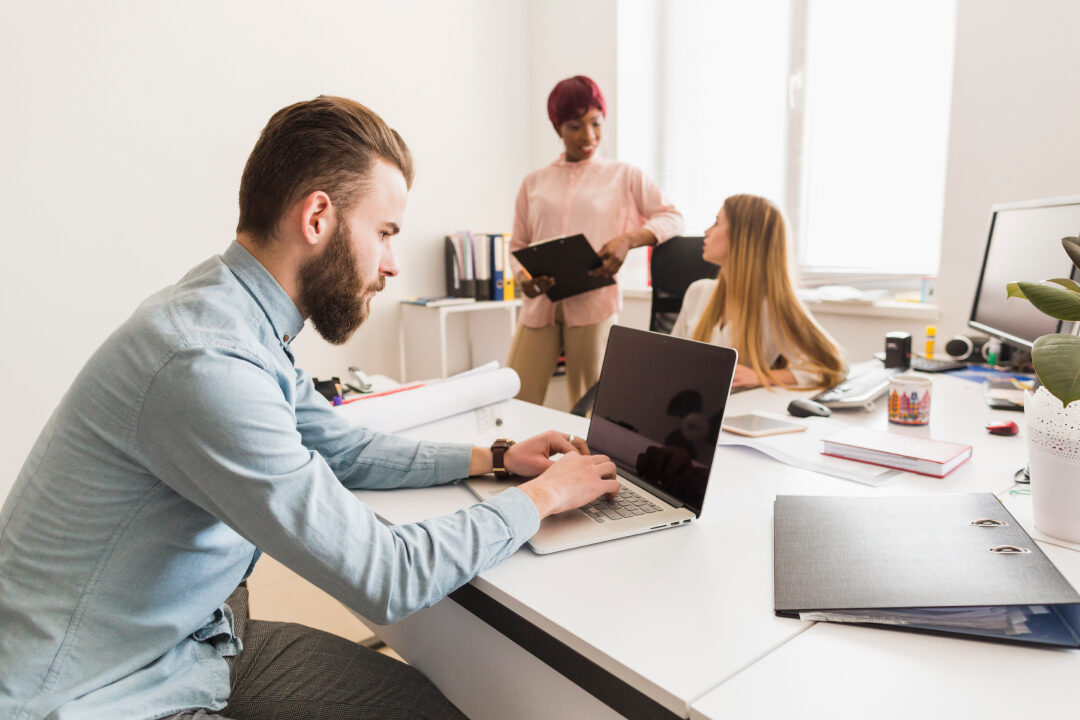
[{"x": 615, "y": 205}]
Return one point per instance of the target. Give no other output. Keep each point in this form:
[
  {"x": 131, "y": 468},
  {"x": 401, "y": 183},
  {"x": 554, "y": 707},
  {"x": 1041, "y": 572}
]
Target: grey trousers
[{"x": 292, "y": 672}]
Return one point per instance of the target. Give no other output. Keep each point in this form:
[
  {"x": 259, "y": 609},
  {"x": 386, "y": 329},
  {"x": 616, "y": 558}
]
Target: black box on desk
[{"x": 898, "y": 350}]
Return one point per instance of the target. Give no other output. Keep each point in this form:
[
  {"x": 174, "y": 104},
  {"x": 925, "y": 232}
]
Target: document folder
[
  {"x": 568, "y": 260},
  {"x": 956, "y": 564}
]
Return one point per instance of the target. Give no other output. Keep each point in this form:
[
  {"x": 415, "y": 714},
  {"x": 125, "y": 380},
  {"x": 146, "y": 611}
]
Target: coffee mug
[{"x": 909, "y": 399}]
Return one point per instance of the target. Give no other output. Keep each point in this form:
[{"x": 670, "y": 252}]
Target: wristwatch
[{"x": 498, "y": 452}]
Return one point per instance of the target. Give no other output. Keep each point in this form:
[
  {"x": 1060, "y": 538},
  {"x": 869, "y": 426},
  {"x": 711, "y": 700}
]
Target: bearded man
[{"x": 189, "y": 443}]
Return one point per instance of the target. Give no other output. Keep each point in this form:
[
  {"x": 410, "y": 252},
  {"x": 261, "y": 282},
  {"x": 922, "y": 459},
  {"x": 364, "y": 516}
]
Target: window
[{"x": 837, "y": 110}]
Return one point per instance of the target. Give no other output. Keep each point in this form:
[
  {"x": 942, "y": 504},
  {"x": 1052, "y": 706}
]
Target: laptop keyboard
[{"x": 626, "y": 504}]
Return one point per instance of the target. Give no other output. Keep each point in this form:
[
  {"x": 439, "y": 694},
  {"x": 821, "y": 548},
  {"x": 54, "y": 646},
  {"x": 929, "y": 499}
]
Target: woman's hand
[
  {"x": 533, "y": 286},
  {"x": 745, "y": 377},
  {"x": 613, "y": 255}
]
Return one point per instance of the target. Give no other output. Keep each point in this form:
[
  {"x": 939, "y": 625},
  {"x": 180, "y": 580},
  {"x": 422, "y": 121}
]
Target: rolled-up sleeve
[
  {"x": 231, "y": 444},
  {"x": 662, "y": 218}
]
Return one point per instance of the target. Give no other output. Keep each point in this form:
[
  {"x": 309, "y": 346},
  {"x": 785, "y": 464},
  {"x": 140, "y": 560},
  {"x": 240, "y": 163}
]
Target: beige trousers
[{"x": 534, "y": 353}]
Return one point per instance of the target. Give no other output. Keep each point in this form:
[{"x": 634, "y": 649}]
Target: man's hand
[
  {"x": 532, "y": 456},
  {"x": 613, "y": 255},
  {"x": 533, "y": 286},
  {"x": 571, "y": 482}
]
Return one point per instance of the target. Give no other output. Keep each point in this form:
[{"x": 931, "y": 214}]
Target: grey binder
[{"x": 939, "y": 563}]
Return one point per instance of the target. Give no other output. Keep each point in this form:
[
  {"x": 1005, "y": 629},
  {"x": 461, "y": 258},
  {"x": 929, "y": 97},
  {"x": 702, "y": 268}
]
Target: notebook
[
  {"x": 896, "y": 450},
  {"x": 568, "y": 260},
  {"x": 955, "y": 564},
  {"x": 659, "y": 405}
]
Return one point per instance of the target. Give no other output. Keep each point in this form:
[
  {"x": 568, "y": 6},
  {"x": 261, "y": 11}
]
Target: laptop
[{"x": 659, "y": 405}]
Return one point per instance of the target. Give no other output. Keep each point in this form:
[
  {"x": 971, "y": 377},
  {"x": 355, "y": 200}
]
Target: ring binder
[
  {"x": 918, "y": 563},
  {"x": 988, "y": 522},
  {"x": 1009, "y": 550}
]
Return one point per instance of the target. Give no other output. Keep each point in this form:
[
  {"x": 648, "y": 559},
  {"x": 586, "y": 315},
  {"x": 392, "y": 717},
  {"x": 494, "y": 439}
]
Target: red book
[{"x": 903, "y": 452}]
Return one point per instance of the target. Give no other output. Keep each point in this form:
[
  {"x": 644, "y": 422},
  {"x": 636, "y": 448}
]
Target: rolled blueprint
[{"x": 434, "y": 400}]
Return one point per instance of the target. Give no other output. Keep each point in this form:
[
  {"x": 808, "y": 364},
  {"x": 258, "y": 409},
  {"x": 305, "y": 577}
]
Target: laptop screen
[{"x": 658, "y": 409}]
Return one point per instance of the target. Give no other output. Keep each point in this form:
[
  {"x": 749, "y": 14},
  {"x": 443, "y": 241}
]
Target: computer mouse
[
  {"x": 1002, "y": 428},
  {"x": 805, "y": 407}
]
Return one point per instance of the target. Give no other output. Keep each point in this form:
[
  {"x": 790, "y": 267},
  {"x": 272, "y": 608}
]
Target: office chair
[{"x": 675, "y": 264}]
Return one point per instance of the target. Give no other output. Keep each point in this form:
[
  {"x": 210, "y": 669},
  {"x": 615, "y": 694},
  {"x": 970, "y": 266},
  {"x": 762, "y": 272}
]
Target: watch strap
[{"x": 498, "y": 455}]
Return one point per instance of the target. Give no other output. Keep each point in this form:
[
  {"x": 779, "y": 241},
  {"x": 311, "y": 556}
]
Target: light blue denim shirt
[{"x": 188, "y": 441}]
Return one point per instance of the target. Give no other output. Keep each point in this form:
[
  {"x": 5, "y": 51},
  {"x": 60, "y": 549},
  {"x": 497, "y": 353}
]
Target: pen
[
  {"x": 384, "y": 392},
  {"x": 931, "y": 333}
]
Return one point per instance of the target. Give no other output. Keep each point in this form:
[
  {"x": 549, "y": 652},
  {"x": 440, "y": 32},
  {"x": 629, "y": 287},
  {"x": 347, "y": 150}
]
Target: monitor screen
[
  {"x": 1024, "y": 244},
  {"x": 659, "y": 405}
]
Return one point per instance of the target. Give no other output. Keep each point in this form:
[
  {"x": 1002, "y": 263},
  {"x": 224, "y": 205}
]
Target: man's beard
[{"x": 332, "y": 293}]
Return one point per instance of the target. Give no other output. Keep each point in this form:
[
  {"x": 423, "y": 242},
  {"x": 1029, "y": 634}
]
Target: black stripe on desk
[{"x": 617, "y": 694}]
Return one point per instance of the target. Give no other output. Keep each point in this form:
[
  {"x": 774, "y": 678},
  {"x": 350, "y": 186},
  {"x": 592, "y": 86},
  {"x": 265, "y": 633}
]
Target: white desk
[
  {"x": 834, "y": 671},
  {"x": 648, "y": 625},
  {"x": 424, "y": 342}
]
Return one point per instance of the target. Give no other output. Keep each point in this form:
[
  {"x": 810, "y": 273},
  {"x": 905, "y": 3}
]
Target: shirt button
[{"x": 285, "y": 338}]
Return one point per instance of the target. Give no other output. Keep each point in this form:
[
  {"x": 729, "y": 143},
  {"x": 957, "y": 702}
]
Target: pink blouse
[{"x": 598, "y": 197}]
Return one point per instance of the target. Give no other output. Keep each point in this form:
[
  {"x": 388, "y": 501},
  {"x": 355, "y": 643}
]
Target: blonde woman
[{"x": 752, "y": 305}]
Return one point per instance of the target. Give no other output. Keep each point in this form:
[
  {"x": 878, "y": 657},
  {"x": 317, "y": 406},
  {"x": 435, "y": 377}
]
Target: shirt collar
[
  {"x": 272, "y": 298},
  {"x": 561, "y": 161}
]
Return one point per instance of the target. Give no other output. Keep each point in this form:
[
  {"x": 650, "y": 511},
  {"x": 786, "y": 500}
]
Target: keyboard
[
  {"x": 626, "y": 504},
  {"x": 858, "y": 391},
  {"x": 935, "y": 364}
]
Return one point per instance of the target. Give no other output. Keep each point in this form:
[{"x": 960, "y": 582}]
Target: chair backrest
[{"x": 675, "y": 264}]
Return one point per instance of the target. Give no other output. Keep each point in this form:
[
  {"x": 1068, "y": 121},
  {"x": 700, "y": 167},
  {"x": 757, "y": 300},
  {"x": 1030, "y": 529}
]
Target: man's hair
[{"x": 329, "y": 144}]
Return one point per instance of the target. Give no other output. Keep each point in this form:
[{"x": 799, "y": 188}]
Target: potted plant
[{"x": 1052, "y": 415}]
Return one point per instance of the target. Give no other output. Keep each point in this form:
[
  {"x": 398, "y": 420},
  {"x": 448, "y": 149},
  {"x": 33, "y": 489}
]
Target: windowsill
[{"x": 880, "y": 308}]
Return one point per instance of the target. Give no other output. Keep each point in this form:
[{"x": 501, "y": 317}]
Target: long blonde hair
[{"x": 756, "y": 269}]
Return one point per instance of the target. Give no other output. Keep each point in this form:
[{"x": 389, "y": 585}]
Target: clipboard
[
  {"x": 945, "y": 564},
  {"x": 568, "y": 260}
]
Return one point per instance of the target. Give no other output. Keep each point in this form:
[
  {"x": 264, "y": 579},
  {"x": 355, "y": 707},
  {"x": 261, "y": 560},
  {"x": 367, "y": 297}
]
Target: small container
[{"x": 909, "y": 399}]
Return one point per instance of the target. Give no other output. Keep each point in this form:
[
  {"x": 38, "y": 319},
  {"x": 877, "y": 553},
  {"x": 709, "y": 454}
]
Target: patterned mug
[{"x": 909, "y": 399}]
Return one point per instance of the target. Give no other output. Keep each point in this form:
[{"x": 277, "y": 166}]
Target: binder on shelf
[
  {"x": 498, "y": 253},
  {"x": 903, "y": 452},
  {"x": 509, "y": 286},
  {"x": 481, "y": 253},
  {"x": 945, "y": 564},
  {"x": 568, "y": 260},
  {"x": 458, "y": 282}
]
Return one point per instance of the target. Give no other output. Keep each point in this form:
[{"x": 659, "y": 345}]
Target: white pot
[{"x": 1053, "y": 441}]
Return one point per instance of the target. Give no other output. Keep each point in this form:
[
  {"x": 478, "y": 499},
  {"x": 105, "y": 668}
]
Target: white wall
[
  {"x": 126, "y": 127},
  {"x": 567, "y": 38},
  {"x": 1015, "y": 128}
]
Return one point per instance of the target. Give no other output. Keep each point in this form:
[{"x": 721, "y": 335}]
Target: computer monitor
[{"x": 1024, "y": 244}]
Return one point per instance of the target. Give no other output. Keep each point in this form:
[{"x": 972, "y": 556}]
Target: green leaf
[
  {"x": 1056, "y": 302},
  {"x": 1013, "y": 290},
  {"x": 1072, "y": 246},
  {"x": 1056, "y": 359},
  {"x": 1066, "y": 283}
]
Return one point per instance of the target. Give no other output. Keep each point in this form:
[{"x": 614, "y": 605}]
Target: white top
[{"x": 693, "y": 307}]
